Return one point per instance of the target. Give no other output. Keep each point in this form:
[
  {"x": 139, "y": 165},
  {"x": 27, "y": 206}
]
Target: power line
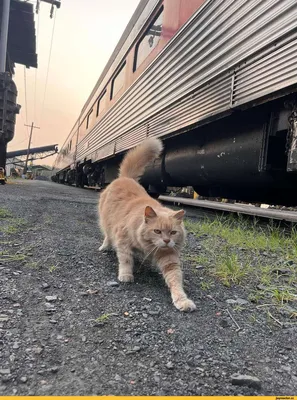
[
  {"x": 24, "y": 122},
  {"x": 48, "y": 65}
]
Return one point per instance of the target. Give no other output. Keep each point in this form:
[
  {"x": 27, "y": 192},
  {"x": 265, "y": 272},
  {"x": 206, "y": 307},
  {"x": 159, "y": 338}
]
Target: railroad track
[
  {"x": 281, "y": 215},
  {"x": 288, "y": 216}
]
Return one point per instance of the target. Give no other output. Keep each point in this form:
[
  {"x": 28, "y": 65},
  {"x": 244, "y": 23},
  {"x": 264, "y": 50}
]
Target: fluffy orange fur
[{"x": 131, "y": 220}]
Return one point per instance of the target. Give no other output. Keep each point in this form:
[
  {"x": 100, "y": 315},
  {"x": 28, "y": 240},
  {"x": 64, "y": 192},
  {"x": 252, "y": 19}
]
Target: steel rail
[{"x": 290, "y": 216}]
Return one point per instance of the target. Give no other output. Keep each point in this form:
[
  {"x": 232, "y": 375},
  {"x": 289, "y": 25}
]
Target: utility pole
[
  {"x": 29, "y": 144},
  {"x": 53, "y": 3}
]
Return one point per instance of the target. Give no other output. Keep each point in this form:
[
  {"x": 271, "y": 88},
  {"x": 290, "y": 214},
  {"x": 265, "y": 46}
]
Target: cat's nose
[{"x": 166, "y": 241}]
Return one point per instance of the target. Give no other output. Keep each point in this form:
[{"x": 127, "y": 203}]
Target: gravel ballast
[{"x": 67, "y": 327}]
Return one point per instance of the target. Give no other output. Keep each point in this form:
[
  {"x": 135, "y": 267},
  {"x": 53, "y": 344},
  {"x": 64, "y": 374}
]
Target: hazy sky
[{"x": 86, "y": 32}]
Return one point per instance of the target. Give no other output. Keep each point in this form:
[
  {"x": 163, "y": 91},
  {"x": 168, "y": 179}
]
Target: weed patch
[
  {"x": 7, "y": 258},
  {"x": 11, "y": 225},
  {"x": 237, "y": 251},
  {"x": 52, "y": 268},
  {"x": 103, "y": 318},
  {"x": 4, "y": 213},
  {"x": 247, "y": 235}
]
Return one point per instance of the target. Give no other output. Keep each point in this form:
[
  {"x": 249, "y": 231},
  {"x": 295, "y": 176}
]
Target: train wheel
[{"x": 156, "y": 190}]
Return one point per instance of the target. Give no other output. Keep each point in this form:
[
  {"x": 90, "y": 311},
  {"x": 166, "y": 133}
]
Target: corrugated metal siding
[
  {"x": 272, "y": 72},
  {"x": 104, "y": 151},
  {"x": 66, "y": 160},
  {"x": 203, "y": 103},
  {"x": 192, "y": 78},
  {"x": 138, "y": 20},
  {"x": 131, "y": 138}
]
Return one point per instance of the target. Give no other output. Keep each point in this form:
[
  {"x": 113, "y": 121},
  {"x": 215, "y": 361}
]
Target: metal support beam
[
  {"x": 53, "y": 3},
  {"x": 4, "y": 34},
  {"x": 56, "y": 3}
]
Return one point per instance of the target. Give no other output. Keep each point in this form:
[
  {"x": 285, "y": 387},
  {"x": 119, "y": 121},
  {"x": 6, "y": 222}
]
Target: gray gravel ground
[{"x": 68, "y": 328}]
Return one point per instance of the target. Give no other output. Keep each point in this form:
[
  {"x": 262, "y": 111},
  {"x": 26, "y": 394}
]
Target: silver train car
[{"x": 217, "y": 81}]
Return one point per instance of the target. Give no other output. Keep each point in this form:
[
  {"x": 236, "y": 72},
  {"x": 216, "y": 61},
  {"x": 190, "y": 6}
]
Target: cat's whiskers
[
  {"x": 176, "y": 248},
  {"x": 155, "y": 248}
]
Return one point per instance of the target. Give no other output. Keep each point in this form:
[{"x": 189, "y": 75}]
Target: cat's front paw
[
  {"x": 105, "y": 248},
  {"x": 126, "y": 278},
  {"x": 185, "y": 305}
]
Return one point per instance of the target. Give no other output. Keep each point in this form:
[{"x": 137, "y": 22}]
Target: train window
[
  {"x": 101, "y": 104},
  {"x": 118, "y": 81},
  {"x": 149, "y": 41},
  {"x": 89, "y": 119}
]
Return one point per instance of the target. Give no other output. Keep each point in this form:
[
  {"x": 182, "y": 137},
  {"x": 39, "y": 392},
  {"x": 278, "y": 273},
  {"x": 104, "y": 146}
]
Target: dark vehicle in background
[{"x": 2, "y": 176}]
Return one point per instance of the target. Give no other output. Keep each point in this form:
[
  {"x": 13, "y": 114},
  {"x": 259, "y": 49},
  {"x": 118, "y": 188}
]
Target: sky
[{"x": 85, "y": 34}]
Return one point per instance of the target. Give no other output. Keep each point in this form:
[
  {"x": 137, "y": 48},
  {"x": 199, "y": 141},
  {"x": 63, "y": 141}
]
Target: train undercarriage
[{"x": 249, "y": 155}]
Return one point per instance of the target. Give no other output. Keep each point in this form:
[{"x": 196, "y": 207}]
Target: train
[{"x": 216, "y": 80}]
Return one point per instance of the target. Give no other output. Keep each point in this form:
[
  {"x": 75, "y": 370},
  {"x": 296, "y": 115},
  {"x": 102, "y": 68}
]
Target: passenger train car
[{"x": 217, "y": 81}]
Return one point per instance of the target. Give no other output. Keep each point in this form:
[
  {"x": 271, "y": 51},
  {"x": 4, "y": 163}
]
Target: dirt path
[{"x": 68, "y": 328}]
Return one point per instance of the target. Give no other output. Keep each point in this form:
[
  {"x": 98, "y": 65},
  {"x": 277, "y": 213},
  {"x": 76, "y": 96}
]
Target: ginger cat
[{"x": 131, "y": 219}]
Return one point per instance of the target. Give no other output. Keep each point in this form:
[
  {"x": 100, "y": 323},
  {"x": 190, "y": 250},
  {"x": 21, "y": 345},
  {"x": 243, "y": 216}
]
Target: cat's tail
[{"x": 137, "y": 159}]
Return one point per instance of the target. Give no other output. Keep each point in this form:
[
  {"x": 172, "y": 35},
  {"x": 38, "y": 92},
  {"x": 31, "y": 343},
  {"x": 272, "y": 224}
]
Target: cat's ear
[
  {"x": 149, "y": 213},
  {"x": 179, "y": 215}
]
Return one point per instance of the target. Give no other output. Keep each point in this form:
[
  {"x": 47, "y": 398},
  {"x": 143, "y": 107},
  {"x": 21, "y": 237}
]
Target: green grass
[
  {"x": 52, "y": 268},
  {"x": 5, "y": 213},
  {"x": 199, "y": 259},
  {"x": 47, "y": 219},
  {"x": 15, "y": 226},
  {"x": 9, "y": 224},
  {"x": 247, "y": 235},
  {"x": 103, "y": 318},
  {"x": 279, "y": 295},
  {"x": 33, "y": 265},
  {"x": 230, "y": 269},
  {"x": 206, "y": 285},
  {"x": 6, "y": 258},
  {"x": 237, "y": 251}
]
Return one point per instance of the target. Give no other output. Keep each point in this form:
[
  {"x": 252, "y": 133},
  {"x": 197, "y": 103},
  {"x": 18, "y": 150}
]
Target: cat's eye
[
  {"x": 173, "y": 232},
  {"x": 157, "y": 231}
]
